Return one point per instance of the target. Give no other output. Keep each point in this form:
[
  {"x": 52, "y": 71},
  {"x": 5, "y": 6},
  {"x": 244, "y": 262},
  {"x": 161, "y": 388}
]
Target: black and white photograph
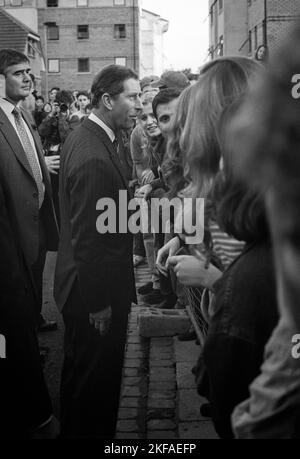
[{"x": 149, "y": 222}]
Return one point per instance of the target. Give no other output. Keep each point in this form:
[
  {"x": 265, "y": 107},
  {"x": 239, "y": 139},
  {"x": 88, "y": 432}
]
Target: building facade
[
  {"x": 80, "y": 37},
  {"x": 15, "y": 34},
  {"x": 153, "y": 28},
  {"x": 239, "y": 27}
]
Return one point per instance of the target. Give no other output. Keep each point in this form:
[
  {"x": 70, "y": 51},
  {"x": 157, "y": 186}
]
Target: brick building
[
  {"x": 239, "y": 27},
  {"x": 79, "y": 37}
]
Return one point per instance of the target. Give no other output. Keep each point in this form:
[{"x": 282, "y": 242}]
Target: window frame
[
  {"x": 82, "y": 6},
  {"x": 120, "y": 57},
  {"x": 88, "y": 32},
  {"x": 52, "y": 6},
  {"x": 56, "y": 27},
  {"x": 117, "y": 32},
  {"x": 48, "y": 67},
  {"x": 83, "y": 59},
  {"x": 19, "y": 4}
]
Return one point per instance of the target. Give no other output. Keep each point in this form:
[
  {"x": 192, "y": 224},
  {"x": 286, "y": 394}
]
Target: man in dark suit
[
  {"x": 27, "y": 229},
  {"x": 94, "y": 281}
]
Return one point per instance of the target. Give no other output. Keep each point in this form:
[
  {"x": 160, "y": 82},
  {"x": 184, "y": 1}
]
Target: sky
[{"x": 187, "y": 40}]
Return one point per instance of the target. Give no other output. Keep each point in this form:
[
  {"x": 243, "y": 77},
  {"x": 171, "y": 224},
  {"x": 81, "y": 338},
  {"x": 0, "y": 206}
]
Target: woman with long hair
[
  {"x": 220, "y": 83},
  {"x": 244, "y": 311}
]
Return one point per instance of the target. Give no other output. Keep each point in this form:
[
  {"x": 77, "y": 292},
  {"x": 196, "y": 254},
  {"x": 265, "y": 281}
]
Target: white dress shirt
[
  {"x": 104, "y": 126},
  {"x": 8, "y": 108}
]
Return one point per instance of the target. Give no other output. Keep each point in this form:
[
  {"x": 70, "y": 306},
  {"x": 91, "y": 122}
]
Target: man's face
[
  {"x": 165, "y": 115},
  {"x": 148, "y": 122},
  {"x": 127, "y": 105},
  {"x": 18, "y": 82}
]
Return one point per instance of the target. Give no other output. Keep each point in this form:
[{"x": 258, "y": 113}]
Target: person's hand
[
  {"x": 48, "y": 432},
  {"x": 53, "y": 164},
  {"x": 168, "y": 250},
  {"x": 101, "y": 320},
  {"x": 143, "y": 192},
  {"x": 191, "y": 271},
  {"x": 147, "y": 176}
]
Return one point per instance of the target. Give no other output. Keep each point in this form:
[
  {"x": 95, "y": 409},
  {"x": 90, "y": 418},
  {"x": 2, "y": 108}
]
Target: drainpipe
[
  {"x": 265, "y": 24},
  {"x": 133, "y": 34}
]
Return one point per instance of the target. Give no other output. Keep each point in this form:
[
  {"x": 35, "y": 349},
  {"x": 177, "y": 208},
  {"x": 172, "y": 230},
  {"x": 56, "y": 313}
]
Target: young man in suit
[
  {"x": 27, "y": 229},
  {"x": 94, "y": 281}
]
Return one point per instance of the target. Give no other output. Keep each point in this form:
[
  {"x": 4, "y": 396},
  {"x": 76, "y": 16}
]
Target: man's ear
[{"x": 106, "y": 100}]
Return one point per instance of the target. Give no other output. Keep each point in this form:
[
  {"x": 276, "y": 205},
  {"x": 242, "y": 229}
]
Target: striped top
[{"x": 225, "y": 247}]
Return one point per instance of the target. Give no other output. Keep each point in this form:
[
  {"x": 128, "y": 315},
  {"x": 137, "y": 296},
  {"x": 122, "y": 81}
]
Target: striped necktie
[{"x": 30, "y": 154}]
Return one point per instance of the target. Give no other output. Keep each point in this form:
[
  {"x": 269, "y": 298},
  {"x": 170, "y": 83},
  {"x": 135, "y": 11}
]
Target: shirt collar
[
  {"x": 104, "y": 126},
  {"x": 7, "y": 106}
]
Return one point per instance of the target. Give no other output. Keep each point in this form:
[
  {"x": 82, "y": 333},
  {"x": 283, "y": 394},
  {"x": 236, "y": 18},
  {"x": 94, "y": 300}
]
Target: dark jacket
[
  {"x": 245, "y": 314},
  {"x": 101, "y": 263},
  {"x": 24, "y": 398}
]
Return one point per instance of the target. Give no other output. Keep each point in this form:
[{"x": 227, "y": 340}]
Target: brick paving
[{"x": 158, "y": 397}]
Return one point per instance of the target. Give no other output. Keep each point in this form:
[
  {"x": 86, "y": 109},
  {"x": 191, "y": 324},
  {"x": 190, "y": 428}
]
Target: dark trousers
[
  {"x": 24, "y": 398},
  {"x": 92, "y": 371},
  {"x": 138, "y": 245},
  {"x": 37, "y": 268}
]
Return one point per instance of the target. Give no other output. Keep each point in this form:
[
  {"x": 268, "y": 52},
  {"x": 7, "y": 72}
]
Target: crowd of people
[{"x": 230, "y": 137}]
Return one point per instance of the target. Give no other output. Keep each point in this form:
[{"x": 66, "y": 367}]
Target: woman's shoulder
[{"x": 246, "y": 293}]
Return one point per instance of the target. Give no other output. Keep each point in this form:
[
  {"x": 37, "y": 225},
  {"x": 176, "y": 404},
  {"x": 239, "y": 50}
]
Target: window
[
  {"x": 119, "y": 2},
  {"x": 16, "y": 2},
  {"x": 221, "y": 46},
  {"x": 31, "y": 50},
  {"x": 220, "y": 5},
  {"x": 212, "y": 16},
  {"x": 83, "y": 65},
  {"x": 51, "y": 3},
  {"x": 120, "y": 31},
  {"x": 82, "y": 32},
  {"x": 53, "y": 66},
  {"x": 82, "y": 2},
  {"x": 255, "y": 38},
  {"x": 121, "y": 61},
  {"x": 52, "y": 31}
]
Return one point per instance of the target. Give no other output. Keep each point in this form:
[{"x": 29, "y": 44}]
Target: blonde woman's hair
[{"x": 220, "y": 83}]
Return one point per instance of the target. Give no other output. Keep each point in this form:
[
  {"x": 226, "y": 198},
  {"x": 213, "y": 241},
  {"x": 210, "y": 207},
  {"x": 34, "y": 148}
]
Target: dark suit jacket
[
  {"x": 101, "y": 263},
  {"x": 24, "y": 399},
  {"x": 20, "y": 189}
]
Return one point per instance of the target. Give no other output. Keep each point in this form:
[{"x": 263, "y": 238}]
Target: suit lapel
[
  {"x": 109, "y": 146},
  {"x": 14, "y": 141}
]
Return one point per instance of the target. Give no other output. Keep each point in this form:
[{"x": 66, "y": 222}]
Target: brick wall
[
  {"x": 280, "y": 16},
  {"x": 243, "y": 16},
  {"x": 101, "y": 48}
]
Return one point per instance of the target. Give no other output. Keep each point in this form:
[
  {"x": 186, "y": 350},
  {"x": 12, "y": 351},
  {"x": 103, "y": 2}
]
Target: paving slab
[
  {"x": 184, "y": 376},
  {"x": 189, "y": 405},
  {"x": 186, "y": 351},
  {"x": 200, "y": 430}
]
